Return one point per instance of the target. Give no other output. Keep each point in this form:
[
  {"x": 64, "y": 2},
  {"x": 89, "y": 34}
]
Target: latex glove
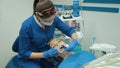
[
  {"x": 72, "y": 45},
  {"x": 50, "y": 53}
]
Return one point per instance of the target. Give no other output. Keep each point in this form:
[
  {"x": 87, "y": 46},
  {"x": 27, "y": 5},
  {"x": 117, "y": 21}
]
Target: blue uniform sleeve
[
  {"x": 64, "y": 27},
  {"x": 24, "y": 43}
]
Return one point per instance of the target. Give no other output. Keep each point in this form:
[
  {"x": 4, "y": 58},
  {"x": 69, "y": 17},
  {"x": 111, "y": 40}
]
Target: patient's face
[{"x": 58, "y": 44}]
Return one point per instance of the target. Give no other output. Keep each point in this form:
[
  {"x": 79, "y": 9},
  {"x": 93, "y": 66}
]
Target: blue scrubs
[{"x": 33, "y": 38}]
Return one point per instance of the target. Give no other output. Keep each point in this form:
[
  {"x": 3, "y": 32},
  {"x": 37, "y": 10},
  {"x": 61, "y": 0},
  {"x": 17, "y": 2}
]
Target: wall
[
  {"x": 12, "y": 14},
  {"x": 105, "y": 25}
]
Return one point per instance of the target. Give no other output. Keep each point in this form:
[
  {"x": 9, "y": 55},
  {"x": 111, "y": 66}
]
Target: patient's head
[{"x": 58, "y": 44}]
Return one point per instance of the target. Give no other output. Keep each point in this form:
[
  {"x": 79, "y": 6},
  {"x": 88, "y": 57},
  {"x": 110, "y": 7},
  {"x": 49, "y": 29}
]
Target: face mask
[{"x": 47, "y": 23}]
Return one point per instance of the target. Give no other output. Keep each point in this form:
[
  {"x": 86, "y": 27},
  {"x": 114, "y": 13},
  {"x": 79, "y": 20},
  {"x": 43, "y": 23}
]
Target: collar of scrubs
[{"x": 37, "y": 21}]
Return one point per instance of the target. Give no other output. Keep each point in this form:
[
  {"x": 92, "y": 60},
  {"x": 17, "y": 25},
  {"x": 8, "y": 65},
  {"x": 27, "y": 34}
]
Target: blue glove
[
  {"x": 72, "y": 45},
  {"x": 50, "y": 53}
]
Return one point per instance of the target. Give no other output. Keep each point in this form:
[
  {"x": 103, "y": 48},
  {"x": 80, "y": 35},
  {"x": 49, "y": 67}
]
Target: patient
[
  {"x": 60, "y": 45},
  {"x": 71, "y": 59}
]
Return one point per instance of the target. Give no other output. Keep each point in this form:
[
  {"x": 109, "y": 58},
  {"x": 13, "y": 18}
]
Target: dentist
[{"x": 32, "y": 44}]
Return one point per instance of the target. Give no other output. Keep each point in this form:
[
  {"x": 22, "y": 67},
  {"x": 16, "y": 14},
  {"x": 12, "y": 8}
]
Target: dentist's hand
[
  {"x": 50, "y": 53},
  {"x": 72, "y": 45}
]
